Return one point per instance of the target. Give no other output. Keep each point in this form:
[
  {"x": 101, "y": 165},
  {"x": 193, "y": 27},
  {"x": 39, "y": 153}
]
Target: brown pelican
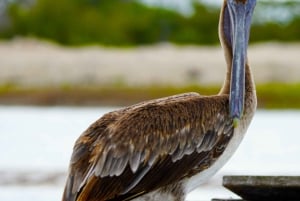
[{"x": 162, "y": 149}]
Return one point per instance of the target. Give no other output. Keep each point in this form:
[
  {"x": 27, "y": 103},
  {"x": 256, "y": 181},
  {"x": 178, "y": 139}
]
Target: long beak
[{"x": 240, "y": 26}]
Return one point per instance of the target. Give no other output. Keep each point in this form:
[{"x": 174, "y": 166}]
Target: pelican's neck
[
  {"x": 224, "y": 26},
  {"x": 226, "y": 48},
  {"x": 250, "y": 92}
]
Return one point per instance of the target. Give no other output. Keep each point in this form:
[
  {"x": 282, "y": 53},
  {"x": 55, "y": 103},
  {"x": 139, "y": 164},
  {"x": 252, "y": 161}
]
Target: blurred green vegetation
[
  {"x": 279, "y": 95},
  {"x": 129, "y": 22},
  {"x": 270, "y": 96}
]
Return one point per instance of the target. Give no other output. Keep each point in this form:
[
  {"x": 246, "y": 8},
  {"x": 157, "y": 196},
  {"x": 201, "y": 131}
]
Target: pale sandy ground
[{"x": 35, "y": 63}]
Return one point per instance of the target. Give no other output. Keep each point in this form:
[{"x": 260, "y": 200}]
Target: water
[{"x": 36, "y": 144}]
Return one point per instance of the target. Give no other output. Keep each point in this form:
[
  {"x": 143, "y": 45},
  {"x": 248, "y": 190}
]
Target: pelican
[{"x": 163, "y": 149}]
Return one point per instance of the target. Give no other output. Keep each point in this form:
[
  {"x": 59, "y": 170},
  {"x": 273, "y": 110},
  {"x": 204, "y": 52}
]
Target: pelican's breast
[{"x": 238, "y": 134}]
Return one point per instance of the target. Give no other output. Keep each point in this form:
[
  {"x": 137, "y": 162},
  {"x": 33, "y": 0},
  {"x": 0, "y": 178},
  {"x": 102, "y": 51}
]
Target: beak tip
[{"x": 236, "y": 122}]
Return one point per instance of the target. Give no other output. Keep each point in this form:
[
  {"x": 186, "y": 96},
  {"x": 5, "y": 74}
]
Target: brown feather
[{"x": 184, "y": 147}]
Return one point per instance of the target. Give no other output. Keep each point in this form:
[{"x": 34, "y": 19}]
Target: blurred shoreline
[
  {"x": 31, "y": 178},
  {"x": 29, "y": 62},
  {"x": 43, "y": 73}
]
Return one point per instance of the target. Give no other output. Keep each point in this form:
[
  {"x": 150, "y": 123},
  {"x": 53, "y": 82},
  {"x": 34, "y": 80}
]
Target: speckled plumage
[{"x": 159, "y": 149}]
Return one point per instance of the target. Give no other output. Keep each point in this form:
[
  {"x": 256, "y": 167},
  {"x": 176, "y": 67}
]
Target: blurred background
[{"x": 65, "y": 63}]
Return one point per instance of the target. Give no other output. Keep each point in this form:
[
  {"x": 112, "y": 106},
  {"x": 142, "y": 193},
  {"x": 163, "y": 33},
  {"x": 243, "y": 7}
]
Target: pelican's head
[{"x": 237, "y": 15}]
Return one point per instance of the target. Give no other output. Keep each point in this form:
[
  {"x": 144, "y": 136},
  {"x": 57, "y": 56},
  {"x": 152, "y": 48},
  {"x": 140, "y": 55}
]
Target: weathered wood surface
[{"x": 264, "y": 187}]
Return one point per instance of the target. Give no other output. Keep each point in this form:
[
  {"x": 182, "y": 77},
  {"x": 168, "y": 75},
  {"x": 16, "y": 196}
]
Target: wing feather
[
  {"x": 127, "y": 154},
  {"x": 135, "y": 161}
]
